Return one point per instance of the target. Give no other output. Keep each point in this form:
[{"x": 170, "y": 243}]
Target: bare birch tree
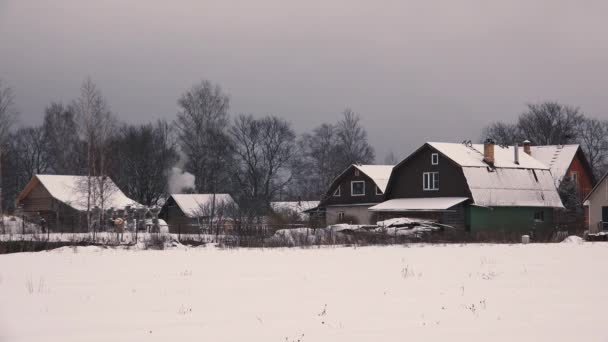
[
  {"x": 61, "y": 135},
  {"x": 593, "y": 137},
  {"x": 8, "y": 114},
  {"x": 550, "y": 123},
  {"x": 97, "y": 126},
  {"x": 352, "y": 141}
]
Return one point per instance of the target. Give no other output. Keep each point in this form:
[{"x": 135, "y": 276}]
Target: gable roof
[
  {"x": 71, "y": 190},
  {"x": 597, "y": 185},
  {"x": 191, "y": 204},
  {"x": 472, "y": 155},
  {"x": 557, "y": 157},
  {"x": 379, "y": 174}
]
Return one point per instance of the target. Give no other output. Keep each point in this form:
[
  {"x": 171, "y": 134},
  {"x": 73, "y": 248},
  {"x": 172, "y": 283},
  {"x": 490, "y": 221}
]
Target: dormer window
[
  {"x": 337, "y": 192},
  {"x": 435, "y": 159}
]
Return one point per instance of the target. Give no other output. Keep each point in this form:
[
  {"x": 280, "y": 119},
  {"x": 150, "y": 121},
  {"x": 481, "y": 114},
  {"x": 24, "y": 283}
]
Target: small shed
[{"x": 186, "y": 213}]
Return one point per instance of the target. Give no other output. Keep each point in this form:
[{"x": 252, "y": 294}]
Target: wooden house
[
  {"x": 187, "y": 213},
  {"x": 353, "y": 192},
  {"x": 597, "y": 206},
  {"x": 62, "y": 200},
  {"x": 475, "y": 187}
]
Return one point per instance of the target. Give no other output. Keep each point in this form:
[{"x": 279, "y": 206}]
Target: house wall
[
  {"x": 177, "y": 221},
  {"x": 355, "y": 214},
  {"x": 59, "y": 217},
  {"x": 407, "y": 178},
  {"x": 597, "y": 200},
  {"x": 509, "y": 220},
  {"x": 584, "y": 178},
  {"x": 345, "y": 190}
]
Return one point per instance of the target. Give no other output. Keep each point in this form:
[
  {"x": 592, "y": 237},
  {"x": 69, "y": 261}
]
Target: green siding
[{"x": 508, "y": 219}]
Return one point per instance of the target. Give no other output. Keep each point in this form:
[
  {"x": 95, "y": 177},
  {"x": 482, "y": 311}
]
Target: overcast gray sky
[{"x": 415, "y": 71}]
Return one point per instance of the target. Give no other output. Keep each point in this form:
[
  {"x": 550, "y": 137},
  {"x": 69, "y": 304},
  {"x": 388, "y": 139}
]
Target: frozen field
[{"x": 422, "y": 293}]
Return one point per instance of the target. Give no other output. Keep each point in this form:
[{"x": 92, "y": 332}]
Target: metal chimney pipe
[{"x": 516, "y": 151}]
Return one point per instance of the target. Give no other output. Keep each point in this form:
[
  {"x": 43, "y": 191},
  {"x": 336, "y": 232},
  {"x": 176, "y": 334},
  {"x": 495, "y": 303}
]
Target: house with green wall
[{"x": 480, "y": 188}]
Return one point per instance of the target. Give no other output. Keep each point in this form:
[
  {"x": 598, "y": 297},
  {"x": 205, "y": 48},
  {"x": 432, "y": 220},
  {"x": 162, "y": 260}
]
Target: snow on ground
[{"x": 536, "y": 292}]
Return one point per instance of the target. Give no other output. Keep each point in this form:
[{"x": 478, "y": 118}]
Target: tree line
[{"x": 255, "y": 159}]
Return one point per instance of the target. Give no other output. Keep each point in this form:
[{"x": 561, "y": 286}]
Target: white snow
[
  {"x": 469, "y": 293},
  {"x": 14, "y": 225},
  {"x": 504, "y": 157},
  {"x": 512, "y": 187},
  {"x": 557, "y": 157},
  {"x": 295, "y": 206},
  {"x": 192, "y": 204},
  {"x": 380, "y": 174},
  {"x": 71, "y": 191},
  {"x": 573, "y": 239},
  {"x": 418, "y": 204}
]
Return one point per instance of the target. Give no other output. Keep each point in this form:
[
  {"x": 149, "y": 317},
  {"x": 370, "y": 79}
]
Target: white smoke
[{"x": 180, "y": 180}]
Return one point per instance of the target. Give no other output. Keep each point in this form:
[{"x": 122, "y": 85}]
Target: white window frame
[
  {"x": 338, "y": 191},
  {"x": 341, "y": 216},
  {"x": 378, "y": 192},
  {"x": 352, "y": 193},
  {"x": 433, "y": 181},
  {"x": 435, "y": 159}
]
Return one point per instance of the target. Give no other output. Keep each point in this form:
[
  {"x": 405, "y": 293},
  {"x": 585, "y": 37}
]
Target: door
[{"x": 605, "y": 218}]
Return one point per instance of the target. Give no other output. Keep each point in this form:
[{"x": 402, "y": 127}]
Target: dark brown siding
[
  {"x": 345, "y": 194},
  {"x": 178, "y": 222},
  {"x": 406, "y": 180}
]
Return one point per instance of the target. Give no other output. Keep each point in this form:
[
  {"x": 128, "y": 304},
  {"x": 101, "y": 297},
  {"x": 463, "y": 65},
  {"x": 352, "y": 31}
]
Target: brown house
[
  {"x": 188, "y": 213},
  {"x": 62, "y": 201},
  {"x": 353, "y": 192}
]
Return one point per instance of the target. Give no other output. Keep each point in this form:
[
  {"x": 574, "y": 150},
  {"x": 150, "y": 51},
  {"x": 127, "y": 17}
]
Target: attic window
[
  {"x": 435, "y": 159},
  {"x": 357, "y": 173},
  {"x": 337, "y": 192}
]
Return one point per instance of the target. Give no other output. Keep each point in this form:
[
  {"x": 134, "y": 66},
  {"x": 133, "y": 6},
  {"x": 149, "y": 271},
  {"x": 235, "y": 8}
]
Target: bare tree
[
  {"x": 201, "y": 123},
  {"x": 61, "y": 135},
  {"x": 352, "y": 141},
  {"x": 390, "y": 159},
  {"x": 145, "y": 155},
  {"x": 593, "y": 137},
  {"x": 550, "y": 123},
  {"x": 502, "y": 133},
  {"x": 97, "y": 126},
  {"x": 8, "y": 114},
  {"x": 30, "y": 150},
  {"x": 263, "y": 150}
]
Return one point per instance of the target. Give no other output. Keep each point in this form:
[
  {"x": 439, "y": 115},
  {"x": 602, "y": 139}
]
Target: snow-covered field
[{"x": 467, "y": 293}]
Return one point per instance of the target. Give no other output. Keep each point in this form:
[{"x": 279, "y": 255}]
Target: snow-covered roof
[
  {"x": 557, "y": 157},
  {"x": 380, "y": 174},
  {"x": 192, "y": 204},
  {"x": 298, "y": 207},
  {"x": 512, "y": 187},
  {"x": 419, "y": 204},
  {"x": 472, "y": 155},
  {"x": 72, "y": 190}
]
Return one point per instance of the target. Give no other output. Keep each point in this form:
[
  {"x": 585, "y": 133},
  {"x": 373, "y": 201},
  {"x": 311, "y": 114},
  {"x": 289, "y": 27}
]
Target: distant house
[
  {"x": 597, "y": 204},
  {"x": 62, "y": 200},
  {"x": 353, "y": 192},
  {"x": 186, "y": 213},
  {"x": 476, "y": 187},
  {"x": 296, "y": 208}
]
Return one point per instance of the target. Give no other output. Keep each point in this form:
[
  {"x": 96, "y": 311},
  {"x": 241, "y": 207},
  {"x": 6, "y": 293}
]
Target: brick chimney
[
  {"x": 488, "y": 152},
  {"x": 527, "y": 148}
]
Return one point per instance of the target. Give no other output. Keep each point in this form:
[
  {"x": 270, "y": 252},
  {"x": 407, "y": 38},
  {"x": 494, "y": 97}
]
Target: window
[
  {"x": 378, "y": 191},
  {"x": 357, "y": 173},
  {"x": 341, "y": 216},
  {"x": 539, "y": 216},
  {"x": 430, "y": 181},
  {"x": 357, "y": 188},
  {"x": 337, "y": 192},
  {"x": 574, "y": 177},
  {"x": 435, "y": 159}
]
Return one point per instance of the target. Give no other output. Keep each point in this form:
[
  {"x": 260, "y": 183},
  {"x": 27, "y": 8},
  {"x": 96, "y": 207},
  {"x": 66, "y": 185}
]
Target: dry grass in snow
[{"x": 422, "y": 292}]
